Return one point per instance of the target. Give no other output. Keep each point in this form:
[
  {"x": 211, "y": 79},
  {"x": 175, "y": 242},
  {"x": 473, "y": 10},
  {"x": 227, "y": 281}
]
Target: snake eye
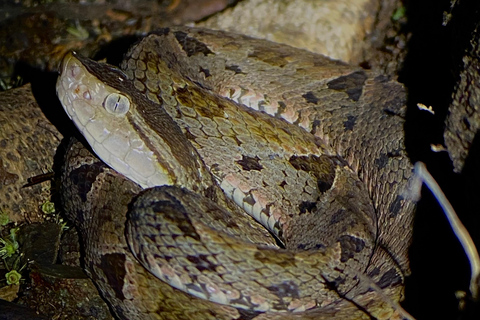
[{"x": 116, "y": 104}]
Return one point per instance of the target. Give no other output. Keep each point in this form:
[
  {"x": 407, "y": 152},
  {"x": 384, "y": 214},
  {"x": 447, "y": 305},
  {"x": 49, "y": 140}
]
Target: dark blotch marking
[
  {"x": 350, "y": 123},
  {"x": 389, "y": 112},
  {"x": 351, "y": 84},
  {"x": 263, "y": 255},
  {"x": 194, "y": 287},
  {"x": 174, "y": 212},
  {"x": 235, "y": 69},
  {"x": 301, "y": 246},
  {"x": 381, "y": 78},
  {"x": 199, "y": 84},
  {"x": 333, "y": 285},
  {"x": 310, "y": 97},
  {"x": 308, "y": 246},
  {"x": 321, "y": 167},
  {"x": 382, "y": 161},
  {"x": 307, "y": 206},
  {"x": 248, "y": 314},
  {"x": 211, "y": 193},
  {"x": 189, "y": 135},
  {"x": 270, "y": 57},
  {"x": 206, "y": 72},
  {"x": 162, "y": 31},
  {"x": 396, "y": 206},
  {"x": 350, "y": 245},
  {"x": 338, "y": 216},
  {"x": 114, "y": 264},
  {"x": 191, "y": 45},
  {"x": 84, "y": 176},
  {"x": 316, "y": 123},
  {"x": 201, "y": 263},
  {"x": 189, "y": 95},
  {"x": 324, "y": 185},
  {"x": 395, "y": 101},
  {"x": 6, "y": 178},
  {"x": 249, "y": 199},
  {"x": 389, "y": 278},
  {"x": 374, "y": 272},
  {"x": 249, "y": 163},
  {"x": 11, "y": 157},
  {"x": 281, "y": 108},
  {"x": 220, "y": 213},
  {"x": 395, "y": 106},
  {"x": 285, "y": 289}
]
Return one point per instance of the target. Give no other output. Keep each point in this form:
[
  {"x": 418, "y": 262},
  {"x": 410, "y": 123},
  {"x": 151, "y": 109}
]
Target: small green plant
[
  {"x": 9, "y": 246},
  {"x": 13, "y": 277},
  {"x": 399, "y": 14},
  {"x": 78, "y": 32},
  {"x": 48, "y": 207},
  {"x": 4, "y": 219},
  {"x": 13, "y": 82},
  {"x": 62, "y": 223}
]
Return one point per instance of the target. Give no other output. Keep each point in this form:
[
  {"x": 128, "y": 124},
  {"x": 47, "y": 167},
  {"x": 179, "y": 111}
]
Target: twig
[{"x": 457, "y": 226}]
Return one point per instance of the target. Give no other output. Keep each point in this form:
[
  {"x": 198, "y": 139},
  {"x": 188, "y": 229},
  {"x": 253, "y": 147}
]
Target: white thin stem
[{"x": 457, "y": 226}]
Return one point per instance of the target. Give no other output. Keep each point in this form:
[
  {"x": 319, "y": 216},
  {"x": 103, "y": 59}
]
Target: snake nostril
[
  {"x": 74, "y": 71},
  {"x": 82, "y": 90},
  {"x": 87, "y": 95}
]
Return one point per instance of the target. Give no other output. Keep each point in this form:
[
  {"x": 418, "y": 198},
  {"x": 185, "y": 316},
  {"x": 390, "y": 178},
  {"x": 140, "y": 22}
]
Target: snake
[{"x": 238, "y": 178}]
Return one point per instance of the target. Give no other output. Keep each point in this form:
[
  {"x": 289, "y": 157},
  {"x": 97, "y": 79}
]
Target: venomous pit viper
[{"x": 226, "y": 125}]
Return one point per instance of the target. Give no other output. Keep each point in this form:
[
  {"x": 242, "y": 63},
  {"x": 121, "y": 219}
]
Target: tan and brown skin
[
  {"x": 359, "y": 115},
  {"x": 100, "y": 196},
  {"x": 28, "y": 142},
  {"x": 370, "y": 173}
]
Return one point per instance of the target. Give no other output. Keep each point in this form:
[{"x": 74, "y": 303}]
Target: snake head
[{"x": 102, "y": 103}]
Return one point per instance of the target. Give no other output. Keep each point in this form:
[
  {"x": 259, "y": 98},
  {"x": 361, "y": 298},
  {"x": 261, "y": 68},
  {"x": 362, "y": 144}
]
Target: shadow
[
  {"x": 438, "y": 263},
  {"x": 115, "y": 50}
]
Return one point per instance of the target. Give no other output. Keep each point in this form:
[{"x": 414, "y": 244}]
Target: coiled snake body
[{"x": 320, "y": 163}]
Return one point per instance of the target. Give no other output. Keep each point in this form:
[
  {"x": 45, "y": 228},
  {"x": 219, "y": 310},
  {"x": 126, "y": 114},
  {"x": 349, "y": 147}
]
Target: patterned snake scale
[{"x": 310, "y": 148}]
